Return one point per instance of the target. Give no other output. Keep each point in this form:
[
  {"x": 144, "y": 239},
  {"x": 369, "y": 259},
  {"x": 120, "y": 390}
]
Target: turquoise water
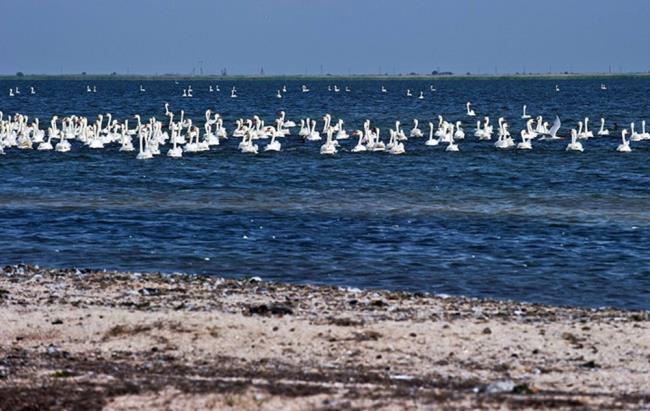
[{"x": 541, "y": 226}]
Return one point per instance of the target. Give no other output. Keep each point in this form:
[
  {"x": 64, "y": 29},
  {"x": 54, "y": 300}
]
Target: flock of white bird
[{"x": 184, "y": 137}]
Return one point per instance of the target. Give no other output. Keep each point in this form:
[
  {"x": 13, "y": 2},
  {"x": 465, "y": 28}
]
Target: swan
[
  {"x": 278, "y": 94},
  {"x": 328, "y": 148},
  {"x": 275, "y": 145},
  {"x": 525, "y": 116},
  {"x": 233, "y": 92},
  {"x": 421, "y": 96},
  {"x": 554, "y": 129},
  {"x": 431, "y": 141},
  {"x": 341, "y": 134},
  {"x": 347, "y": 89},
  {"x": 432, "y": 88},
  {"x": 452, "y": 146},
  {"x": 304, "y": 128},
  {"x": 142, "y": 90},
  {"x": 542, "y": 126},
  {"x": 624, "y": 147},
  {"x": 305, "y": 89},
  {"x": 645, "y": 134},
  {"x": 603, "y": 131},
  {"x": 415, "y": 131},
  {"x": 587, "y": 133},
  {"x": 313, "y": 134},
  {"x": 286, "y": 123},
  {"x": 94, "y": 89},
  {"x": 377, "y": 144},
  {"x": 557, "y": 87},
  {"x": 470, "y": 111},
  {"x": 525, "y": 141},
  {"x": 284, "y": 88},
  {"x": 63, "y": 146},
  {"x": 336, "y": 88},
  {"x": 32, "y": 91},
  {"x": 504, "y": 140},
  {"x": 88, "y": 89},
  {"x": 46, "y": 145},
  {"x": 408, "y": 92},
  {"x": 144, "y": 153},
  {"x": 210, "y": 89},
  {"x": 359, "y": 147},
  {"x": 397, "y": 147},
  {"x": 247, "y": 145},
  {"x": 634, "y": 136},
  {"x": 574, "y": 145},
  {"x": 460, "y": 133},
  {"x": 127, "y": 144},
  {"x": 603, "y": 86},
  {"x": 383, "y": 89}
]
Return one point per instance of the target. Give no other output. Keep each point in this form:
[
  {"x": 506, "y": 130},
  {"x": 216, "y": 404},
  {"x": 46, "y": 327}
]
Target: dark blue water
[{"x": 541, "y": 226}]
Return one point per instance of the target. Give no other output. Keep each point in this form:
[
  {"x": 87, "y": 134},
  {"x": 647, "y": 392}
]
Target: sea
[{"x": 540, "y": 226}]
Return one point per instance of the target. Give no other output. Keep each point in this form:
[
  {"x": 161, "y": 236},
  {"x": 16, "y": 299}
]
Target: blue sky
[{"x": 342, "y": 36}]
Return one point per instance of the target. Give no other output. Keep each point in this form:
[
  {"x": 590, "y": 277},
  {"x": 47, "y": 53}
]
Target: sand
[{"x": 83, "y": 339}]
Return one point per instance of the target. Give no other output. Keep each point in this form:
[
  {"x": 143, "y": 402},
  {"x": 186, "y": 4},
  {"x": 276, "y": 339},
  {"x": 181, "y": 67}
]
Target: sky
[{"x": 319, "y": 36}]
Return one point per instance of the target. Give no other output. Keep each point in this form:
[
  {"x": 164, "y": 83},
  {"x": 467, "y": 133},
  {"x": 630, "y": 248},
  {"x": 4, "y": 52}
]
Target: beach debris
[
  {"x": 52, "y": 350},
  {"x": 149, "y": 291},
  {"x": 254, "y": 280},
  {"x": 591, "y": 364},
  {"x": 486, "y": 330},
  {"x": 270, "y": 309}
]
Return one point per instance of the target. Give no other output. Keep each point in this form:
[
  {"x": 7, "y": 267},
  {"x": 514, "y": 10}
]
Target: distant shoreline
[{"x": 353, "y": 77}]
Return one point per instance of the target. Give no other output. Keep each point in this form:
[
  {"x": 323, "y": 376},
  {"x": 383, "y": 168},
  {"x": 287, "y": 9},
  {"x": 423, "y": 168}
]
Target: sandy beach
[{"x": 83, "y": 339}]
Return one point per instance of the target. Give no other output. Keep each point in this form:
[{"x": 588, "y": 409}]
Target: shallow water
[{"x": 541, "y": 226}]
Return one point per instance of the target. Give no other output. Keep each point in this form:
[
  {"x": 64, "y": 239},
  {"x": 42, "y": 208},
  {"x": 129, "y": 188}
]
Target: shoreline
[
  {"x": 352, "y": 77},
  {"x": 91, "y": 339}
]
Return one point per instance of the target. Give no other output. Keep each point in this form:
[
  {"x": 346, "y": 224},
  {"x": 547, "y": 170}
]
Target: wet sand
[{"x": 83, "y": 339}]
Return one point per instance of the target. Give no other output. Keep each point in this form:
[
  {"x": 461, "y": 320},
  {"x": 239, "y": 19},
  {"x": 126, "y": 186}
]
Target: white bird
[
  {"x": 470, "y": 111},
  {"x": 431, "y": 141},
  {"x": 359, "y": 147},
  {"x": 525, "y": 141},
  {"x": 452, "y": 145},
  {"x": 275, "y": 145},
  {"x": 644, "y": 134},
  {"x": 415, "y": 131},
  {"x": 624, "y": 147},
  {"x": 574, "y": 145},
  {"x": 328, "y": 148},
  {"x": 634, "y": 136},
  {"x": 603, "y": 131},
  {"x": 460, "y": 133},
  {"x": 525, "y": 116}
]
